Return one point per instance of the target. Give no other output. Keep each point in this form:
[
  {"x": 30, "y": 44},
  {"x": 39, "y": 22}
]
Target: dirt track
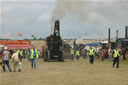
[{"x": 68, "y": 73}]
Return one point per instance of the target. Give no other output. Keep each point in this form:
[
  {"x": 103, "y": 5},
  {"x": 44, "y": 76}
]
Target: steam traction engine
[{"x": 54, "y": 50}]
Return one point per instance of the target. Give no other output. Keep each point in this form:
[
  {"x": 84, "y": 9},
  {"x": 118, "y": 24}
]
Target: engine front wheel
[{"x": 126, "y": 55}]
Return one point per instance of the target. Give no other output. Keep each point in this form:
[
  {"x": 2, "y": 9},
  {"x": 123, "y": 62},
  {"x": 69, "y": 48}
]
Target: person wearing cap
[{"x": 5, "y": 58}]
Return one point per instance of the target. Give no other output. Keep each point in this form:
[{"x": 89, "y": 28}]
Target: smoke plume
[{"x": 92, "y": 12}]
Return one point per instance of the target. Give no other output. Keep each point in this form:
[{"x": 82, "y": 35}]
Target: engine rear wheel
[{"x": 47, "y": 56}]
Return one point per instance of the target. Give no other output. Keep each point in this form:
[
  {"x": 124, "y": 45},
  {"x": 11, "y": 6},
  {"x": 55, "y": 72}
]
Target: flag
[
  {"x": 33, "y": 36},
  {"x": 9, "y": 35},
  {"x": 19, "y": 34}
]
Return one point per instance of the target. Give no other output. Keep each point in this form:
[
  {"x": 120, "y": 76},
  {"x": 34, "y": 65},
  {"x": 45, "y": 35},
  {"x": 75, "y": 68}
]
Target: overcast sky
[{"x": 78, "y": 18}]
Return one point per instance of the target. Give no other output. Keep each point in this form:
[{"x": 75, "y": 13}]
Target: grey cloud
[
  {"x": 90, "y": 19},
  {"x": 26, "y": 17},
  {"x": 95, "y": 14}
]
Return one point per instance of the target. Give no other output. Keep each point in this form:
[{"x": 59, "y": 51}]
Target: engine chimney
[
  {"x": 116, "y": 34},
  {"x": 126, "y": 32},
  {"x": 109, "y": 35},
  {"x": 116, "y": 38}
]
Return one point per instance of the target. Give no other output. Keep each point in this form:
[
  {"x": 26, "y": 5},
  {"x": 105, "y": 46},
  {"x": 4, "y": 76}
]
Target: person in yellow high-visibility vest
[
  {"x": 20, "y": 52},
  {"x": 33, "y": 57},
  {"x": 72, "y": 54},
  {"x": 116, "y": 56},
  {"x": 91, "y": 55},
  {"x": 77, "y": 54},
  {"x": 39, "y": 54},
  {"x": 28, "y": 54}
]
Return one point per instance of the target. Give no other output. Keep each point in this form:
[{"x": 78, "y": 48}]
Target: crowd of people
[
  {"x": 102, "y": 54},
  {"x": 16, "y": 57},
  {"x": 33, "y": 54}
]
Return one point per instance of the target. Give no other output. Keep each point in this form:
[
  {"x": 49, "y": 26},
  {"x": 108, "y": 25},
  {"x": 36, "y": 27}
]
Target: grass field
[{"x": 68, "y": 73}]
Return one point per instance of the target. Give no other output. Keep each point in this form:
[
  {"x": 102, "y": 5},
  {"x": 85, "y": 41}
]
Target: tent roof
[{"x": 93, "y": 44}]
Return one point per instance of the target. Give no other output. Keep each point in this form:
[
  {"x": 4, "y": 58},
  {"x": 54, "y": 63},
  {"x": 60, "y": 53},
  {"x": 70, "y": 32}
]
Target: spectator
[
  {"x": 110, "y": 54},
  {"x": 20, "y": 53},
  {"x": 77, "y": 54},
  {"x": 39, "y": 54},
  {"x": 116, "y": 53},
  {"x": 101, "y": 54},
  {"x": 15, "y": 58},
  {"x": 72, "y": 54},
  {"x": 33, "y": 57},
  {"x": 91, "y": 55},
  {"x": 123, "y": 53},
  {"x": 28, "y": 54},
  {"x": 5, "y": 58}
]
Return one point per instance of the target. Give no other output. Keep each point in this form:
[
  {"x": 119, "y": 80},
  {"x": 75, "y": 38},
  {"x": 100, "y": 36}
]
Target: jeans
[
  {"x": 8, "y": 65},
  {"x": 91, "y": 59},
  {"x": 33, "y": 61}
]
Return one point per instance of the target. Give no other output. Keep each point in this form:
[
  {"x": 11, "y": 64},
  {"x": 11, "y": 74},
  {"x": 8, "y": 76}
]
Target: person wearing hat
[{"x": 6, "y": 55}]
